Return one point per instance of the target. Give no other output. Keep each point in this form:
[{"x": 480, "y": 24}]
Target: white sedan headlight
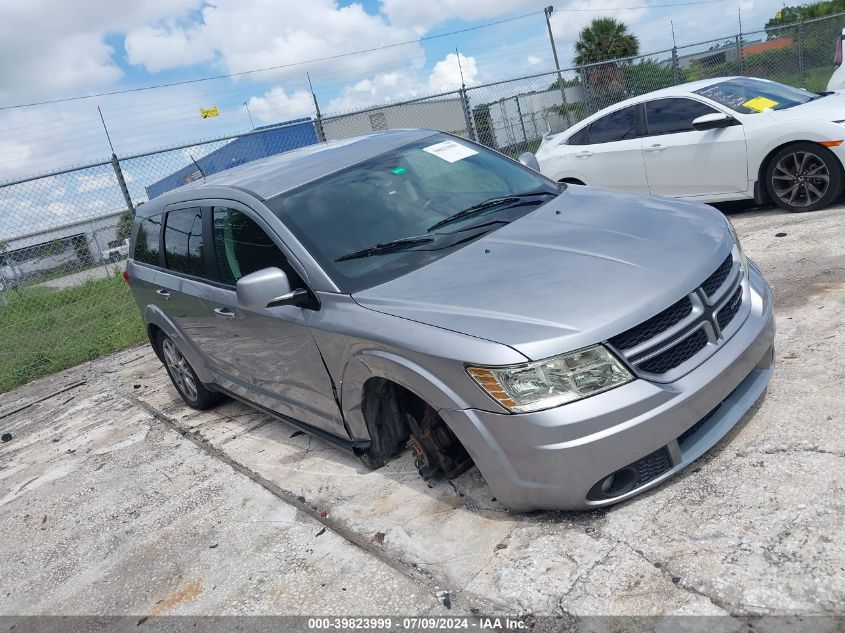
[{"x": 552, "y": 382}]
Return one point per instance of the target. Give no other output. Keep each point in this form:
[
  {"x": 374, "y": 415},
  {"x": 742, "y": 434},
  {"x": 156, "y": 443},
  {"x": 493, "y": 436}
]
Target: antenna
[{"x": 202, "y": 173}]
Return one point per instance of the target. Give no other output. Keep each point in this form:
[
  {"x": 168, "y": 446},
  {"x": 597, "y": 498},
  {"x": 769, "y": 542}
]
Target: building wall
[
  {"x": 66, "y": 247},
  {"x": 440, "y": 114},
  {"x": 528, "y": 116}
]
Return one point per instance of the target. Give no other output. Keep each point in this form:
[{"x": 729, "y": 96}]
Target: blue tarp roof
[{"x": 273, "y": 139}]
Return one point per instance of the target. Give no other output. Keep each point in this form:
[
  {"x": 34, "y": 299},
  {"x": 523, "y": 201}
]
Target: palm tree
[{"x": 604, "y": 39}]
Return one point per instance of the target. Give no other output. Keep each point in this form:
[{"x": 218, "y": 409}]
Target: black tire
[
  {"x": 386, "y": 426},
  {"x": 803, "y": 177},
  {"x": 195, "y": 394}
]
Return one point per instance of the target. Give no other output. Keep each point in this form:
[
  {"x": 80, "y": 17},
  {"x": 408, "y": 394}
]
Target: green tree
[
  {"x": 605, "y": 39},
  {"x": 124, "y": 227}
]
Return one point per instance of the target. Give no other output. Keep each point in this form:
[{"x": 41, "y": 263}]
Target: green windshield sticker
[{"x": 398, "y": 170}]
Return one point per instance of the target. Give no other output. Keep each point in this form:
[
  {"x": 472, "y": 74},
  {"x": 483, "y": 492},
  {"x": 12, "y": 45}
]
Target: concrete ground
[{"x": 117, "y": 499}]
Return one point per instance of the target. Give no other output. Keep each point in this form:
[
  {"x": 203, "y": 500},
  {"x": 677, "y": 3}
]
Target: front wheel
[{"x": 804, "y": 177}]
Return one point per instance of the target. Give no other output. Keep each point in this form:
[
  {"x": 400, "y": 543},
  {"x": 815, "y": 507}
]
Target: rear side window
[
  {"x": 183, "y": 242},
  {"x": 616, "y": 126},
  {"x": 670, "y": 116},
  {"x": 242, "y": 247},
  {"x": 147, "y": 247}
]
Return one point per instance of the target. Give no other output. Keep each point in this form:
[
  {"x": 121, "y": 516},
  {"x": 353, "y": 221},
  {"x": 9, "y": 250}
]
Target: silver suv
[{"x": 411, "y": 288}]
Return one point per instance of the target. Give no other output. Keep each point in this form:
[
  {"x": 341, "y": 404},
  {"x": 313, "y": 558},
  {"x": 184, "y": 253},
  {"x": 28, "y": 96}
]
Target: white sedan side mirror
[
  {"x": 712, "y": 121},
  {"x": 529, "y": 160}
]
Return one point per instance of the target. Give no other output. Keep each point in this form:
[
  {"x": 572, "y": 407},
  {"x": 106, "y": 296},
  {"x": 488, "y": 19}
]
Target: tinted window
[
  {"x": 147, "y": 241},
  {"x": 668, "y": 116},
  {"x": 581, "y": 137},
  {"x": 616, "y": 126},
  {"x": 242, "y": 247},
  {"x": 183, "y": 242}
]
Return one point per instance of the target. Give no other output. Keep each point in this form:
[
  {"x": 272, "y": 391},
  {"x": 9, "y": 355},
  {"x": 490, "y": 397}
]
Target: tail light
[
  {"x": 126, "y": 276},
  {"x": 837, "y": 56}
]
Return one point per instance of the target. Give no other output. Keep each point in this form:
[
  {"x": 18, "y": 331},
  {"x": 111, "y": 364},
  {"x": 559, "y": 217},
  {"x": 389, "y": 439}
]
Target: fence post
[
  {"x": 676, "y": 71},
  {"x": 462, "y": 93},
  {"x": 739, "y": 52},
  {"x": 801, "y": 72},
  {"x": 122, "y": 182},
  {"x": 586, "y": 90},
  {"x": 521, "y": 120}
]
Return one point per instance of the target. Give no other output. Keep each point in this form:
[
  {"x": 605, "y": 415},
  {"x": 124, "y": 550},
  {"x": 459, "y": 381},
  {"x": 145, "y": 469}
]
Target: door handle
[
  {"x": 161, "y": 292},
  {"x": 226, "y": 313},
  {"x": 584, "y": 154},
  {"x": 655, "y": 148}
]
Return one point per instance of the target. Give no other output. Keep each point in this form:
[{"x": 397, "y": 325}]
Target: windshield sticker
[
  {"x": 450, "y": 151},
  {"x": 398, "y": 170},
  {"x": 758, "y": 104}
]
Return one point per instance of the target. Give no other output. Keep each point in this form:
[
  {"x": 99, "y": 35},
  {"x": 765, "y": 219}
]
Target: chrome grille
[{"x": 677, "y": 334}]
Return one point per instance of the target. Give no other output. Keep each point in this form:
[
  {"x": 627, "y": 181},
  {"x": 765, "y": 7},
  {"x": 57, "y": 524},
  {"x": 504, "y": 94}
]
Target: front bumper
[{"x": 553, "y": 459}]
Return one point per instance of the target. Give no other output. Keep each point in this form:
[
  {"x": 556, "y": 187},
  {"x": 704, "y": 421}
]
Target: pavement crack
[
  {"x": 802, "y": 449},
  {"x": 679, "y": 582}
]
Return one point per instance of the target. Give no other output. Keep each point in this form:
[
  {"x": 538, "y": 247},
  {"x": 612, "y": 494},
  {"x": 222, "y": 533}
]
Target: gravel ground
[{"x": 117, "y": 499}]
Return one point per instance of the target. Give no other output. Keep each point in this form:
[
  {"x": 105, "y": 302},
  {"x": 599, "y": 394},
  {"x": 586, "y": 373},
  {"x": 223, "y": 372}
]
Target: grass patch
[{"x": 44, "y": 331}]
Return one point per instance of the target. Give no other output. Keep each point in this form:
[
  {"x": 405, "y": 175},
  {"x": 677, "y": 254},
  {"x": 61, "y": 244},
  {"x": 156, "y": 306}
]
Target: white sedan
[{"x": 730, "y": 138}]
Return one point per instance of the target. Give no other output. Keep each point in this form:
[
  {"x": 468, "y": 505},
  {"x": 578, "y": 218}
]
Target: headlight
[
  {"x": 552, "y": 382},
  {"x": 742, "y": 258}
]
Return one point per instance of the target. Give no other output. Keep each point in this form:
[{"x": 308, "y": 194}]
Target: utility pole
[
  {"x": 547, "y": 11},
  {"x": 249, "y": 114}
]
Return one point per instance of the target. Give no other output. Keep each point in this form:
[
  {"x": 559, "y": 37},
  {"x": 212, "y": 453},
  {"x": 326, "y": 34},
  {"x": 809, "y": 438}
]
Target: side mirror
[
  {"x": 529, "y": 160},
  {"x": 268, "y": 288},
  {"x": 712, "y": 121}
]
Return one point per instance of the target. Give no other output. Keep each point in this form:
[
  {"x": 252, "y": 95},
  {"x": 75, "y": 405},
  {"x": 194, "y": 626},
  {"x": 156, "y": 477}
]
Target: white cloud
[
  {"x": 381, "y": 88},
  {"x": 103, "y": 180},
  {"x": 447, "y": 73},
  {"x": 56, "y": 50},
  {"x": 533, "y": 60},
  {"x": 276, "y": 105},
  {"x": 240, "y": 35}
]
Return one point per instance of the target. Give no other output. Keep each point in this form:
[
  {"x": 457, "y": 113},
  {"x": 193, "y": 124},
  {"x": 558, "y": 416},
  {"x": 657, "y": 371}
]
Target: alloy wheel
[
  {"x": 180, "y": 370},
  {"x": 800, "y": 179}
]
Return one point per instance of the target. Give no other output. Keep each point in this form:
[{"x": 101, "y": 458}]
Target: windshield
[
  {"x": 747, "y": 95},
  {"x": 403, "y": 209}
]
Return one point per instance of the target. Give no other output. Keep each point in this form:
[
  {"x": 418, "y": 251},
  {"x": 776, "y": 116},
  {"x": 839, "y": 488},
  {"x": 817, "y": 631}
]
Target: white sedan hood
[{"x": 829, "y": 108}]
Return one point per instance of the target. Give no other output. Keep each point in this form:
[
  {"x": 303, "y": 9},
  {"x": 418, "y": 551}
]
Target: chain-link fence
[{"x": 64, "y": 235}]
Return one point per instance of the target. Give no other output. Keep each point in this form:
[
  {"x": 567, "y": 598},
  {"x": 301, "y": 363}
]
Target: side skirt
[{"x": 348, "y": 445}]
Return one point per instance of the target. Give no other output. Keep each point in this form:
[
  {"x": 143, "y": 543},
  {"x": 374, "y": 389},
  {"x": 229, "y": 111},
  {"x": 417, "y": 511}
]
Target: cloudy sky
[{"x": 55, "y": 50}]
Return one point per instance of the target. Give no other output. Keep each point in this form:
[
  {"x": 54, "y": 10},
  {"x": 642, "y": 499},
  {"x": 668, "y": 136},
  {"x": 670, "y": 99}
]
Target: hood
[
  {"x": 583, "y": 267},
  {"x": 829, "y": 108}
]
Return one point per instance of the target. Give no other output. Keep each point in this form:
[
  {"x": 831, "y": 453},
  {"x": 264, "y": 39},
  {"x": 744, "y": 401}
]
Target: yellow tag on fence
[
  {"x": 207, "y": 113},
  {"x": 759, "y": 104}
]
